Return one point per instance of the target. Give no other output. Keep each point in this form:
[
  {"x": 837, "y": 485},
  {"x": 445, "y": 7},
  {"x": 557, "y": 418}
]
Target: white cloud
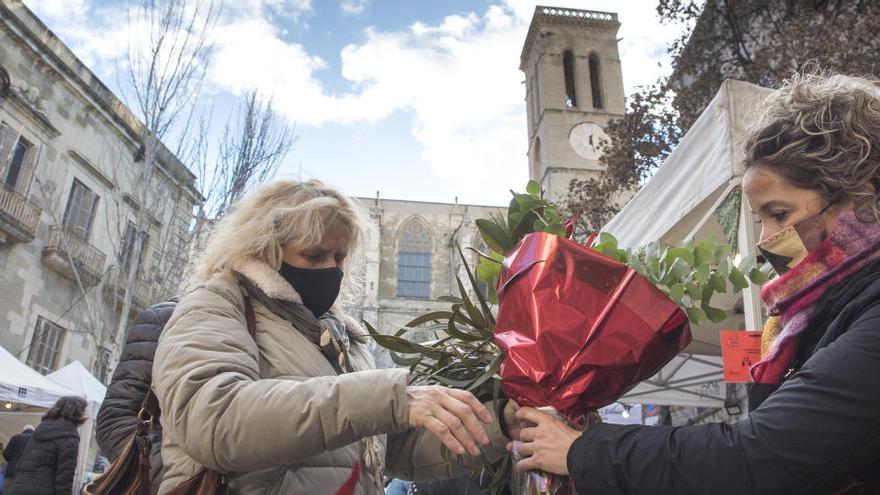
[
  {"x": 458, "y": 79},
  {"x": 353, "y": 7}
]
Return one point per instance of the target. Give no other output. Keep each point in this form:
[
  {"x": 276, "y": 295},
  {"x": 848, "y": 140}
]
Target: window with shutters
[
  {"x": 126, "y": 251},
  {"x": 80, "y": 210},
  {"x": 102, "y": 364},
  {"x": 45, "y": 346},
  {"x": 20, "y": 155},
  {"x": 414, "y": 261}
]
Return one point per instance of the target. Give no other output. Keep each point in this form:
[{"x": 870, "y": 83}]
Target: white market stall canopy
[
  {"x": 77, "y": 378},
  {"x": 19, "y": 383},
  {"x": 682, "y": 201}
]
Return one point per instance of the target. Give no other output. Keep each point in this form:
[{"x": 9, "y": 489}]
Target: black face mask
[{"x": 318, "y": 287}]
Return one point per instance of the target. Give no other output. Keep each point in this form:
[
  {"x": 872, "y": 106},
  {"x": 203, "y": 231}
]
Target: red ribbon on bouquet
[{"x": 579, "y": 329}]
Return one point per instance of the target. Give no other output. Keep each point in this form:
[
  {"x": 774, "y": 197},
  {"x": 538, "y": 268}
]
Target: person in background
[
  {"x": 118, "y": 417},
  {"x": 812, "y": 176},
  {"x": 12, "y": 452},
  {"x": 48, "y": 463}
]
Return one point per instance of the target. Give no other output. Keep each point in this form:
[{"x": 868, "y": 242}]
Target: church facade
[{"x": 573, "y": 88}]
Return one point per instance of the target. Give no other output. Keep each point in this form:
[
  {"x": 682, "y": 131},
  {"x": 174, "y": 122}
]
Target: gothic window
[
  {"x": 595, "y": 81},
  {"x": 414, "y": 261},
  {"x": 80, "y": 210},
  {"x": 568, "y": 70},
  {"x": 45, "y": 346}
]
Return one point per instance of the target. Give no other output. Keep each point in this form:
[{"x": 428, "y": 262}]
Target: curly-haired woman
[
  {"x": 293, "y": 409},
  {"x": 48, "y": 463},
  {"x": 812, "y": 177}
]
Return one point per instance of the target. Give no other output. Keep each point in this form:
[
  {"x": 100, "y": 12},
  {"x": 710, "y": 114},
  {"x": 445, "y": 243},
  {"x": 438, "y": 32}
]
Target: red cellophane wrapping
[{"x": 579, "y": 328}]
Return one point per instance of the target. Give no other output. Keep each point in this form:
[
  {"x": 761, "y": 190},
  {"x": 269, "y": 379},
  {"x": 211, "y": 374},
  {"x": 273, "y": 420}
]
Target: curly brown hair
[
  {"x": 71, "y": 408},
  {"x": 821, "y": 132}
]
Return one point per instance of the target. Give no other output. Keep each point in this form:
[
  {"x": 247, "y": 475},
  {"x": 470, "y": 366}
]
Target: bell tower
[{"x": 574, "y": 86}]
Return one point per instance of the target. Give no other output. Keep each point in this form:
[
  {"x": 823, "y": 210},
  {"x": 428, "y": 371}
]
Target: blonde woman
[
  {"x": 812, "y": 177},
  {"x": 293, "y": 409}
]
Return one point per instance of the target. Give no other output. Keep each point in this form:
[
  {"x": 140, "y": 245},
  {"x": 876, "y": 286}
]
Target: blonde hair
[
  {"x": 821, "y": 132},
  {"x": 274, "y": 214}
]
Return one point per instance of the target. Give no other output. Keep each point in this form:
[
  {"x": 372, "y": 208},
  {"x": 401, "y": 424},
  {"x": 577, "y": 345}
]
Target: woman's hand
[
  {"x": 454, "y": 416},
  {"x": 545, "y": 445}
]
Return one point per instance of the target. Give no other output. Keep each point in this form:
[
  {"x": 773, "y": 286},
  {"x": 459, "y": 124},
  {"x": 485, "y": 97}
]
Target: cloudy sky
[{"x": 417, "y": 99}]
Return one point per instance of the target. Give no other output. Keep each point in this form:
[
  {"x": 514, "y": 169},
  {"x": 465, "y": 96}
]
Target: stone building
[
  {"x": 410, "y": 259},
  {"x": 70, "y": 162},
  {"x": 574, "y": 86}
]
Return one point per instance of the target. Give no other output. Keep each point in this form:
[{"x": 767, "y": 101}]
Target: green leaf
[
  {"x": 715, "y": 315},
  {"x": 758, "y": 277},
  {"x": 676, "y": 292},
  {"x": 681, "y": 253},
  {"x": 694, "y": 291},
  {"x": 454, "y": 332},
  {"x": 738, "y": 280},
  {"x": 404, "y": 361},
  {"x": 483, "y": 304},
  {"x": 495, "y": 236},
  {"x": 696, "y": 315},
  {"x": 533, "y": 188},
  {"x": 722, "y": 251},
  {"x": 490, "y": 371},
  {"x": 718, "y": 283},
  {"x": 401, "y": 345},
  {"x": 432, "y": 316}
]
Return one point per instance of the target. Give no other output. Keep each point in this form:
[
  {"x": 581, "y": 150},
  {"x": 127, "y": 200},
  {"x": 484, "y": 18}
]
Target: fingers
[
  {"x": 468, "y": 398},
  {"x": 456, "y": 427},
  {"x": 466, "y": 416},
  {"x": 529, "y": 463},
  {"x": 528, "y": 434},
  {"x": 442, "y": 432}
]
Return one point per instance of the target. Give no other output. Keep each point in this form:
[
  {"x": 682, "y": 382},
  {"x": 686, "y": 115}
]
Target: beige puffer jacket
[{"x": 270, "y": 412}]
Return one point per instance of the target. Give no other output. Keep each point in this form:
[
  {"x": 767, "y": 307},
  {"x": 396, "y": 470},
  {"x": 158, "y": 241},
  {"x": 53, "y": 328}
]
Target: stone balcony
[
  {"x": 69, "y": 255},
  {"x": 18, "y": 217}
]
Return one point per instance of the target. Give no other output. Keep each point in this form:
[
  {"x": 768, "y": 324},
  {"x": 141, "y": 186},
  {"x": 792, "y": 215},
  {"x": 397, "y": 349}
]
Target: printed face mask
[{"x": 788, "y": 247}]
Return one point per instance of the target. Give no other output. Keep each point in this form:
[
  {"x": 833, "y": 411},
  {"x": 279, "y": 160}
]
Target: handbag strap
[{"x": 149, "y": 412}]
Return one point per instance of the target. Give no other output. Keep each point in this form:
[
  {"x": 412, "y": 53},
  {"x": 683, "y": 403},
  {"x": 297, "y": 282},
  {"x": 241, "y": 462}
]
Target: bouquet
[{"x": 568, "y": 325}]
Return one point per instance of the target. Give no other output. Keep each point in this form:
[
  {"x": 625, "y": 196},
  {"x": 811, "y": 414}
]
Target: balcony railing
[
  {"x": 62, "y": 247},
  {"x": 18, "y": 216},
  {"x": 116, "y": 288}
]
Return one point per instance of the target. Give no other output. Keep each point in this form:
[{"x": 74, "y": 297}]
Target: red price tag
[{"x": 740, "y": 349}]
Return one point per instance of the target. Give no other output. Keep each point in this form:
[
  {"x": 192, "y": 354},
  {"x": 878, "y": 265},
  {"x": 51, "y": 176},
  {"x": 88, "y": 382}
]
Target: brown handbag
[{"x": 130, "y": 473}]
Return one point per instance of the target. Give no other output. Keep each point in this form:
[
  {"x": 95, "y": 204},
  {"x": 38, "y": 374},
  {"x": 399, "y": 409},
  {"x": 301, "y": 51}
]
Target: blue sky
[{"x": 419, "y": 100}]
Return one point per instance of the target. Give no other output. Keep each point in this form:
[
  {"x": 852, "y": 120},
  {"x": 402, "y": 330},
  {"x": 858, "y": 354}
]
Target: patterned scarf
[
  {"x": 792, "y": 297},
  {"x": 328, "y": 333}
]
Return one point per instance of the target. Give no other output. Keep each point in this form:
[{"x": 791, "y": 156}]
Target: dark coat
[
  {"x": 818, "y": 433},
  {"x": 14, "y": 449},
  {"x": 117, "y": 418},
  {"x": 48, "y": 463}
]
